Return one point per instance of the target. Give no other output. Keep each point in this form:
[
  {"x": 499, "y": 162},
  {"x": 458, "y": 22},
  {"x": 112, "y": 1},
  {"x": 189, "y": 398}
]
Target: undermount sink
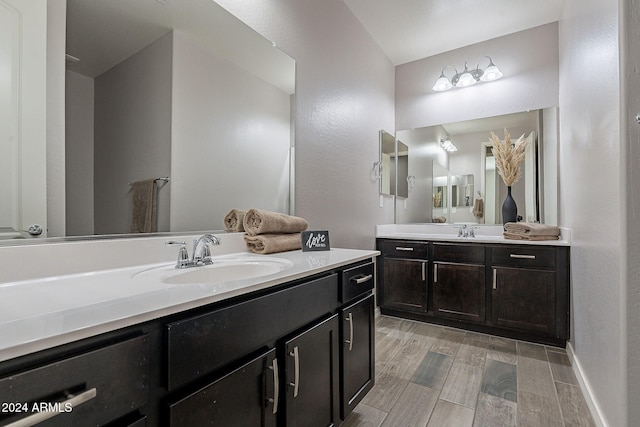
[{"x": 223, "y": 269}]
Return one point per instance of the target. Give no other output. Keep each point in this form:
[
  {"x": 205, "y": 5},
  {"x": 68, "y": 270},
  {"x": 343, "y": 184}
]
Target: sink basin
[{"x": 223, "y": 269}]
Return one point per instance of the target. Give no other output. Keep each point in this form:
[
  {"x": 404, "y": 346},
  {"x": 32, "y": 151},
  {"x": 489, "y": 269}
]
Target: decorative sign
[{"x": 315, "y": 241}]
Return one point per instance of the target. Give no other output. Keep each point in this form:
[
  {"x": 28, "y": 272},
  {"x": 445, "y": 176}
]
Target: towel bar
[{"x": 164, "y": 178}]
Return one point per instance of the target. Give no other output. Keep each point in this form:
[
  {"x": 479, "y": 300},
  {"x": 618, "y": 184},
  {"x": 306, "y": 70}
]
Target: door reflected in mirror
[{"x": 440, "y": 209}]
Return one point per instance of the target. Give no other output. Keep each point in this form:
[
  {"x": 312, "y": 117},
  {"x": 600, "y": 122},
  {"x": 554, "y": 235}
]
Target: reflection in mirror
[
  {"x": 440, "y": 209},
  {"x": 173, "y": 89},
  {"x": 387, "y": 152},
  {"x": 402, "y": 170},
  {"x": 536, "y": 193}
]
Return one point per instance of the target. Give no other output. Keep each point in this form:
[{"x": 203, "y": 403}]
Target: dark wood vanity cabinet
[
  {"x": 459, "y": 282},
  {"x": 404, "y": 274},
  {"x": 98, "y": 385},
  {"x": 312, "y": 376},
  {"x": 529, "y": 289},
  {"x": 247, "y": 396},
  {"x": 357, "y": 352},
  {"x": 298, "y": 354},
  {"x": 513, "y": 290}
]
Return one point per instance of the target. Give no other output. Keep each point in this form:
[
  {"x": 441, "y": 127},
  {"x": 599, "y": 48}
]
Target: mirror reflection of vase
[{"x": 509, "y": 208}]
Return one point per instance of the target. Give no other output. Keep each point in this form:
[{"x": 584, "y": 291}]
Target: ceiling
[
  {"x": 408, "y": 30},
  {"x": 102, "y": 34}
]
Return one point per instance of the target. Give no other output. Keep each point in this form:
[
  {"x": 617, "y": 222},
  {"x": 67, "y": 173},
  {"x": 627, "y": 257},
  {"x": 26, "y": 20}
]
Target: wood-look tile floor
[{"x": 433, "y": 376}]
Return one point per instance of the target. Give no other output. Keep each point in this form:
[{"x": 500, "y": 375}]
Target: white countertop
[
  {"x": 448, "y": 233},
  {"x": 41, "y": 313}
]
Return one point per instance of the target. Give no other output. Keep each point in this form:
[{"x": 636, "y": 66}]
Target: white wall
[
  {"x": 79, "y": 154},
  {"x": 230, "y": 140},
  {"x": 528, "y": 59},
  {"x": 592, "y": 199},
  {"x": 132, "y": 134},
  {"x": 631, "y": 183},
  {"x": 55, "y": 169},
  {"x": 344, "y": 96}
]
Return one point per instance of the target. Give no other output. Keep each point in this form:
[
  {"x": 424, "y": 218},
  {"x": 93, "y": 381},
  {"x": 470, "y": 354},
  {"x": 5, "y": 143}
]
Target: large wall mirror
[
  {"x": 182, "y": 90},
  {"x": 449, "y": 184}
]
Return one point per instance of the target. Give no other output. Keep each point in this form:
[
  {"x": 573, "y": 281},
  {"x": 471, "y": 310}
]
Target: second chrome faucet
[{"x": 201, "y": 254}]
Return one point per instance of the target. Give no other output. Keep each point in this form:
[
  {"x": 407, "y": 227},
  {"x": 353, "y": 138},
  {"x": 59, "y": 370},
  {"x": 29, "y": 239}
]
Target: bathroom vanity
[
  {"x": 512, "y": 288},
  {"x": 290, "y": 348}
]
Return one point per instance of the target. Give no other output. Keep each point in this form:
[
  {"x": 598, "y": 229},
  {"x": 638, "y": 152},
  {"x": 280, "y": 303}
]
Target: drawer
[
  {"x": 524, "y": 256},
  {"x": 202, "y": 344},
  {"x": 404, "y": 248},
  {"x": 466, "y": 254},
  {"x": 356, "y": 281},
  {"x": 105, "y": 384}
]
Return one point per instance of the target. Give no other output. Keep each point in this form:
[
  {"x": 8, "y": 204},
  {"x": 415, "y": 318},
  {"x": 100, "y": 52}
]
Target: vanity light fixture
[
  {"x": 447, "y": 145},
  {"x": 467, "y": 77}
]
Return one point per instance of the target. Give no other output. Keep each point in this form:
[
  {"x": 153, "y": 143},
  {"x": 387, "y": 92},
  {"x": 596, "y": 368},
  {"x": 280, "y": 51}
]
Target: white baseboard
[{"x": 586, "y": 388}]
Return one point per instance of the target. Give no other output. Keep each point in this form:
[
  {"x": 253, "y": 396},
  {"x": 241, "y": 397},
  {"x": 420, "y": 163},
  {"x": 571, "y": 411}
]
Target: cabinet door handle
[
  {"x": 495, "y": 278},
  {"x": 38, "y": 417},
  {"x": 435, "y": 273},
  {"x": 362, "y": 279},
  {"x": 350, "y": 340},
  {"x": 522, "y": 256},
  {"x": 276, "y": 385},
  {"x": 402, "y": 248},
  {"x": 296, "y": 371}
]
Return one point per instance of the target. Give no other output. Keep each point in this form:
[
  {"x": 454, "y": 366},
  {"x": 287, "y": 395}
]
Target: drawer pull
[
  {"x": 39, "y": 417},
  {"x": 522, "y": 256},
  {"x": 495, "y": 278},
  {"x": 296, "y": 371},
  {"x": 362, "y": 279},
  {"x": 402, "y": 248},
  {"x": 350, "y": 340},
  {"x": 276, "y": 385}
]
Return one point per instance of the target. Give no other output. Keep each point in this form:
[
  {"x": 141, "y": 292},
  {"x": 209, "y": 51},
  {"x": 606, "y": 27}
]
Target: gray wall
[
  {"x": 630, "y": 181},
  {"x": 79, "y": 154},
  {"x": 593, "y": 199},
  {"x": 528, "y": 59},
  {"x": 344, "y": 96},
  {"x": 132, "y": 134},
  {"x": 230, "y": 140}
]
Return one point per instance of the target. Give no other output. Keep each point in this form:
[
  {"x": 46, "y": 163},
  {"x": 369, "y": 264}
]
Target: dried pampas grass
[{"x": 508, "y": 157}]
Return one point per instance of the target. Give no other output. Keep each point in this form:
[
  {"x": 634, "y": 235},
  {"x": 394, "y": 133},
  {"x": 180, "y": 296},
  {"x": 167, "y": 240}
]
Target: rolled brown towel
[
  {"x": 257, "y": 221},
  {"x": 272, "y": 243},
  {"x": 520, "y": 236},
  {"x": 532, "y": 229},
  {"x": 233, "y": 221}
]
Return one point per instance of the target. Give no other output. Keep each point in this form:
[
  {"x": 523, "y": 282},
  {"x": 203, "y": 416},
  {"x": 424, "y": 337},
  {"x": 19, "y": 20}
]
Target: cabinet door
[
  {"x": 405, "y": 284},
  {"x": 459, "y": 291},
  {"x": 357, "y": 353},
  {"x": 312, "y": 395},
  {"x": 245, "y": 397},
  {"x": 524, "y": 299}
]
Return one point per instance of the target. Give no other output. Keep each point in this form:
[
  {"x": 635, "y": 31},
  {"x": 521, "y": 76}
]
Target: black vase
[{"x": 509, "y": 208}]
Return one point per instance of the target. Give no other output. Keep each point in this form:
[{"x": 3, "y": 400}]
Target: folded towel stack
[
  {"x": 233, "y": 221},
  {"x": 530, "y": 231},
  {"x": 270, "y": 232}
]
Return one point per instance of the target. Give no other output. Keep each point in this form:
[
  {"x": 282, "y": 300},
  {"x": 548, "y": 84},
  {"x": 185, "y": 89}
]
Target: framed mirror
[
  {"x": 384, "y": 166},
  {"x": 471, "y": 177},
  {"x": 393, "y": 166},
  {"x": 182, "y": 90}
]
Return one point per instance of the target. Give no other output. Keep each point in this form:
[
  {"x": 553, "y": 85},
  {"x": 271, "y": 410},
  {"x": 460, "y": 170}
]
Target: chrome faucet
[
  {"x": 463, "y": 231},
  {"x": 201, "y": 254}
]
